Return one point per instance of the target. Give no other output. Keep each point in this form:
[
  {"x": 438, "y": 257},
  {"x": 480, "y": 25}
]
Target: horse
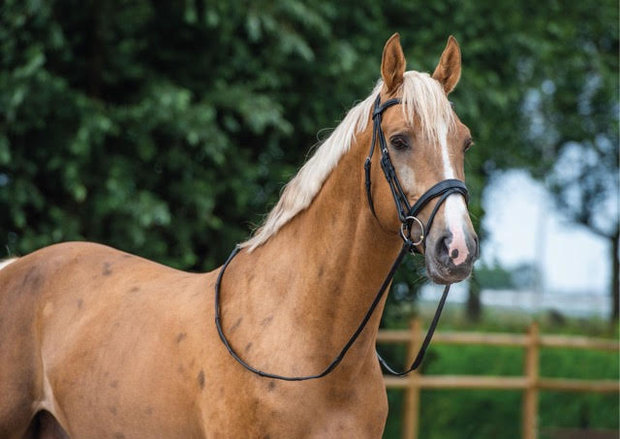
[{"x": 99, "y": 343}]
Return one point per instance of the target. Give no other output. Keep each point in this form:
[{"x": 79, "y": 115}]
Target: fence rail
[{"x": 531, "y": 383}]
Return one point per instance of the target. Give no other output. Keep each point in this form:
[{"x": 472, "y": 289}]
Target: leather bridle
[{"x": 407, "y": 215}]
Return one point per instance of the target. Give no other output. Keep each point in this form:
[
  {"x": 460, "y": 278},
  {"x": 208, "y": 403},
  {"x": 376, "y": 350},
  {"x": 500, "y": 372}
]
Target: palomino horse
[{"x": 97, "y": 343}]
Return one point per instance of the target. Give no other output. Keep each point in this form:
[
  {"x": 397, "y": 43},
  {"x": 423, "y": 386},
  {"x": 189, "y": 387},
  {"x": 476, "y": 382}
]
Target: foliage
[
  {"x": 574, "y": 117},
  {"x": 494, "y": 277},
  {"x": 130, "y": 125}
]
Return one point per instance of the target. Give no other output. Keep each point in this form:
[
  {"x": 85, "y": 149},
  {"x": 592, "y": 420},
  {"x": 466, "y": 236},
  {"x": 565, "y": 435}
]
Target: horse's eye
[
  {"x": 468, "y": 144},
  {"x": 399, "y": 142}
]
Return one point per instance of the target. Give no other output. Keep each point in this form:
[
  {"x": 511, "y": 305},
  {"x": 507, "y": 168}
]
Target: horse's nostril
[
  {"x": 443, "y": 246},
  {"x": 451, "y": 251}
]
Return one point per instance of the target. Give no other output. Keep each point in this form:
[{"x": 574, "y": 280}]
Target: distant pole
[
  {"x": 541, "y": 231},
  {"x": 540, "y": 236}
]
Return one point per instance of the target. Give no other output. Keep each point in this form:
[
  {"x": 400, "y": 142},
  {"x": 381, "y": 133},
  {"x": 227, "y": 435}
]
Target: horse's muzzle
[{"x": 450, "y": 260}]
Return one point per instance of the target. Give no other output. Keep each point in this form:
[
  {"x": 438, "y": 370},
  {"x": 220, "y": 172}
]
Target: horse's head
[{"x": 426, "y": 143}]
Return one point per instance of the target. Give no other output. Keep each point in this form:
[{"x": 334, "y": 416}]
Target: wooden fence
[{"x": 531, "y": 383}]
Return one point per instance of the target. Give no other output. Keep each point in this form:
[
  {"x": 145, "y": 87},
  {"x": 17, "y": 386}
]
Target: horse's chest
[{"x": 303, "y": 410}]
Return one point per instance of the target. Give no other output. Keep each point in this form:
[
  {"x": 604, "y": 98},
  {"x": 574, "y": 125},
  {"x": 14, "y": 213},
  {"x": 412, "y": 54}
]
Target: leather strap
[
  {"x": 377, "y": 134},
  {"x": 427, "y": 340}
]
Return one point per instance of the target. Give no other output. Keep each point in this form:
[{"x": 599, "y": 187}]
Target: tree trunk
[
  {"x": 615, "y": 287},
  {"x": 473, "y": 308}
]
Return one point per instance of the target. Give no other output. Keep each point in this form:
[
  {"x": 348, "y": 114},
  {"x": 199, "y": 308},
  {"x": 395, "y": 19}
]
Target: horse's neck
[{"x": 309, "y": 286}]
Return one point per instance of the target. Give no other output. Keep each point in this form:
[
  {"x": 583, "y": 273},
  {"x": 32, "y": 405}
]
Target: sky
[{"x": 523, "y": 225}]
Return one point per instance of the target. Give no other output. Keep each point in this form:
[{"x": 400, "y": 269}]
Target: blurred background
[{"x": 167, "y": 129}]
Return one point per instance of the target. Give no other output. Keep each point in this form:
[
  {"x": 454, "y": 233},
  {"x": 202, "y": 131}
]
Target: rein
[{"x": 407, "y": 216}]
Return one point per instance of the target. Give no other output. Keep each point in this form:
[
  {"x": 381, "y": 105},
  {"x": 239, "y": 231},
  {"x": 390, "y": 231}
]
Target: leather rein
[{"x": 407, "y": 215}]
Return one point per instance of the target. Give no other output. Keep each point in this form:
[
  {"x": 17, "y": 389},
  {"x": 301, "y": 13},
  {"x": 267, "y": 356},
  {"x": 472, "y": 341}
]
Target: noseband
[{"x": 407, "y": 215}]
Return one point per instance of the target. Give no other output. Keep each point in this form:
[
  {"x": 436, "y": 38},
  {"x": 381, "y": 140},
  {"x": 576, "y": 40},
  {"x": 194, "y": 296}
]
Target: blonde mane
[{"x": 422, "y": 97}]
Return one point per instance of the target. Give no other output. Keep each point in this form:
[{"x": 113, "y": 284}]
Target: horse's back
[
  {"x": 79, "y": 322},
  {"x": 66, "y": 278}
]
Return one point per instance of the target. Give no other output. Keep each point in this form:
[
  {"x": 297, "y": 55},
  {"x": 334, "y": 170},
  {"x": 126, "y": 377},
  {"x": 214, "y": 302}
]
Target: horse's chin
[{"x": 444, "y": 275}]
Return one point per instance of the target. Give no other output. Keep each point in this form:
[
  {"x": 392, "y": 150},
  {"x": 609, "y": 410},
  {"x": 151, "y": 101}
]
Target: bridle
[{"x": 407, "y": 215}]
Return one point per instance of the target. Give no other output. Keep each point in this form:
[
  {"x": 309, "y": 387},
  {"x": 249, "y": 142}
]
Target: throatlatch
[{"x": 407, "y": 215}]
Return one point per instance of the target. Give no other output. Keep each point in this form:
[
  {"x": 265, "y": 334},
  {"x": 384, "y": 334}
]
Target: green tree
[{"x": 574, "y": 115}]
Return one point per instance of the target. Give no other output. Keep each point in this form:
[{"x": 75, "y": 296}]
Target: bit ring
[{"x": 407, "y": 224}]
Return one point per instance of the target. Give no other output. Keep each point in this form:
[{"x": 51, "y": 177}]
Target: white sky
[{"x": 525, "y": 226}]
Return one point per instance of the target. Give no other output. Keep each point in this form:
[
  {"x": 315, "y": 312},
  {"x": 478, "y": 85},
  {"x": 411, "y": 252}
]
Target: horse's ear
[
  {"x": 393, "y": 63},
  {"x": 448, "y": 71}
]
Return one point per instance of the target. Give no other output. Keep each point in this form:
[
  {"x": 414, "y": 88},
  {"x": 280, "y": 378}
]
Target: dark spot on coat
[
  {"x": 119, "y": 435},
  {"x": 114, "y": 384},
  {"x": 341, "y": 396},
  {"x": 248, "y": 346},
  {"x": 181, "y": 336},
  {"x": 236, "y": 325},
  {"x": 80, "y": 302},
  {"x": 201, "y": 379},
  {"x": 266, "y": 321},
  {"x": 107, "y": 269},
  {"x": 32, "y": 280},
  {"x": 321, "y": 271},
  {"x": 330, "y": 313},
  {"x": 336, "y": 292},
  {"x": 271, "y": 385},
  {"x": 112, "y": 410},
  {"x": 134, "y": 289}
]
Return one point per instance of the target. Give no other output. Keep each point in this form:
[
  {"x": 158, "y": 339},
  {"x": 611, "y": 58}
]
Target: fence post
[
  {"x": 530, "y": 395},
  {"x": 411, "y": 407}
]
